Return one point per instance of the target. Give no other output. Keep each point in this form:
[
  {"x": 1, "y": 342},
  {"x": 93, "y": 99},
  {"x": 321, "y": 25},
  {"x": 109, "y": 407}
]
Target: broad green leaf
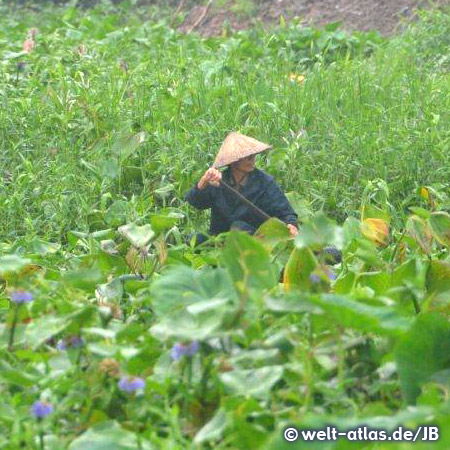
[
  {"x": 214, "y": 429},
  {"x": 125, "y": 146},
  {"x": 248, "y": 262},
  {"x": 272, "y": 232},
  {"x": 423, "y": 351},
  {"x": 183, "y": 325},
  {"x": 298, "y": 269},
  {"x": 136, "y": 235},
  {"x": 255, "y": 382},
  {"x": 348, "y": 313},
  {"x": 183, "y": 286},
  {"x": 18, "y": 377},
  {"x": 42, "y": 329},
  {"x": 118, "y": 213},
  {"x": 84, "y": 278},
  {"x": 351, "y": 230},
  {"x": 380, "y": 282},
  {"x": 107, "y": 436},
  {"x": 43, "y": 248},
  {"x": 319, "y": 231},
  {"x": 440, "y": 227},
  {"x": 12, "y": 263},
  {"x": 438, "y": 276},
  {"x": 420, "y": 231}
]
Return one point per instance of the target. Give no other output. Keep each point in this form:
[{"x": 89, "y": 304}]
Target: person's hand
[
  {"x": 292, "y": 229},
  {"x": 211, "y": 176}
]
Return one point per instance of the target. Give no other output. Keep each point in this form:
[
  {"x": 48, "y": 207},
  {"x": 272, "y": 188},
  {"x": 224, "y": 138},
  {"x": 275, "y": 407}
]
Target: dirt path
[{"x": 386, "y": 16}]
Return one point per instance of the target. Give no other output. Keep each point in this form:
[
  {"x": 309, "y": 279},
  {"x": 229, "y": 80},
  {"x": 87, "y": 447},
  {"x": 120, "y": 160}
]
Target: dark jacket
[{"x": 260, "y": 188}]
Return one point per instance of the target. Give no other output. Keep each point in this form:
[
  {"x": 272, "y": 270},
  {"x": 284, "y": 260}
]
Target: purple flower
[
  {"x": 314, "y": 278},
  {"x": 331, "y": 276},
  {"x": 41, "y": 409},
  {"x": 179, "y": 350},
  {"x": 69, "y": 342},
  {"x": 131, "y": 384},
  {"x": 21, "y": 297}
]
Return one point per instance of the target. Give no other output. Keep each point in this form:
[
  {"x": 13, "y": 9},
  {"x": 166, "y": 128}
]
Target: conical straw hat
[{"x": 237, "y": 146}]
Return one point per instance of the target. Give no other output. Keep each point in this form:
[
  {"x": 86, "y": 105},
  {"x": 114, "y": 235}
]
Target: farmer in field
[{"x": 229, "y": 211}]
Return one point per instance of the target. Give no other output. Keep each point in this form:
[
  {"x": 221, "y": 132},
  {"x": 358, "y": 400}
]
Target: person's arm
[
  {"x": 201, "y": 195},
  {"x": 276, "y": 204}
]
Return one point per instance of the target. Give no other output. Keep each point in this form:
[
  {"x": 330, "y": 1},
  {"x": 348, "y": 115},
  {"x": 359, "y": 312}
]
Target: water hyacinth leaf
[
  {"x": 183, "y": 325},
  {"x": 351, "y": 230},
  {"x": 420, "y": 231},
  {"x": 319, "y": 231},
  {"x": 108, "y": 435},
  {"x": 12, "y": 263},
  {"x": 272, "y": 232},
  {"x": 438, "y": 277},
  {"x": 440, "y": 227},
  {"x": 118, "y": 213},
  {"x": 254, "y": 382},
  {"x": 17, "y": 377},
  {"x": 248, "y": 262},
  {"x": 299, "y": 204},
  {"x": 161, "y": 222},
  {"x": 380, "y": 282},
  {"x": 214, "y": 429},
  {"x": 298, "y": 269},
  {"x": 344, "y": 283},
  {"x": 377, "y": 230},
  {"x": 84, "y": 278},
  {"x": 183, "y": 286},
  {"x": 354, "y": 314},
  {"x": 111, "y": 292},
  {"x": 138, "y": 236},
  {"x": 423, "y": 351},
  {"x": 42, "y": 329},
  {"x": 42, "y": 247},
  {"x": 291, "y": 302},
  {"x": 126, "y": 146}
]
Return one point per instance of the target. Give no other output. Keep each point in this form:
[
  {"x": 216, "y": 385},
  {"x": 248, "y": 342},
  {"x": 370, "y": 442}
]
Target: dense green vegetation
[{"x": 130, "y": 338}]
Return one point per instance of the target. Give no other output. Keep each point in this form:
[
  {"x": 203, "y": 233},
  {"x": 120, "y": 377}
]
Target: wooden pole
[{"x": 245, "y": 200}]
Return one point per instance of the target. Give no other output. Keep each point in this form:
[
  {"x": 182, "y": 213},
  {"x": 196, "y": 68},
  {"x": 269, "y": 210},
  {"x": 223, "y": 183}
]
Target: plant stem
[{"x": 13, "y": 328}]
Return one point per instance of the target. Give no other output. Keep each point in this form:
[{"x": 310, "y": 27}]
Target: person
[{"x": 229, "y": 212}]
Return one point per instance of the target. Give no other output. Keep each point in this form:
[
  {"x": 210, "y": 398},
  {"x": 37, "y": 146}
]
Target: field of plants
[{"x": 117, "y": 333}]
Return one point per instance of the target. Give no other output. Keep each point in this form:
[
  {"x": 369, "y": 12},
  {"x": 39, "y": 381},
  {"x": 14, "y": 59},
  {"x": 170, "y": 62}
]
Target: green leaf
[
  {"x": 136, "y": 235},
  {"x": 255, "y": 382},
  {"x": 354, "y": 314},
  {"x": 183, "y": 286},
  {"x": 423, "y": 351},
  {"x": 107, "y": 436},
  {"x": 318, "y": 232},
  {"x": 440, "y": 227},
  {"x": 272, "y": 232},
  {"x": 438, "y": 277},
  {"x": 419, "y": 230},
  {"x": 298, "y": 269},
  {"x": 248, "y": 262},
  {"x": 187, "y": 326},
  {"x": 214, "y": 429},
  {"x": 38, "y": 331},
  {"x": 12, "y": 263},
  {"x": 125, "y": 146},
  {"x": 15, "y": 376}
]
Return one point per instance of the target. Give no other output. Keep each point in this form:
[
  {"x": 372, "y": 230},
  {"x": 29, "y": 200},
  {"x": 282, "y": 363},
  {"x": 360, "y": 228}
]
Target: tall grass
[{"x": 367, "y": 109}]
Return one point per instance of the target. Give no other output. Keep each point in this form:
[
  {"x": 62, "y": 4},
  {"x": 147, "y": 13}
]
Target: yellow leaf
[
  {"x": 377, "y": 230},
  {"x": 424, "y": 193}
]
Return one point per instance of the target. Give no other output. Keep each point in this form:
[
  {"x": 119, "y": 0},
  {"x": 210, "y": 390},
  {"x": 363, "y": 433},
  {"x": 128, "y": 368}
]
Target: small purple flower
[
  {"x": 179, "y": 350},
  {"x": 331, "y": 276},
  {"x": 314, "y": 278},
  {"x": 70, "y": 342},
  {"x": 20, "y": 297},
  {"x": 131, "y": 384},
  {"x": 41, "y": 409}
]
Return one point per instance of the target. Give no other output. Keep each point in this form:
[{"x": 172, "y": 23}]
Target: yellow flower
[{"x": 296, "y": 78}]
